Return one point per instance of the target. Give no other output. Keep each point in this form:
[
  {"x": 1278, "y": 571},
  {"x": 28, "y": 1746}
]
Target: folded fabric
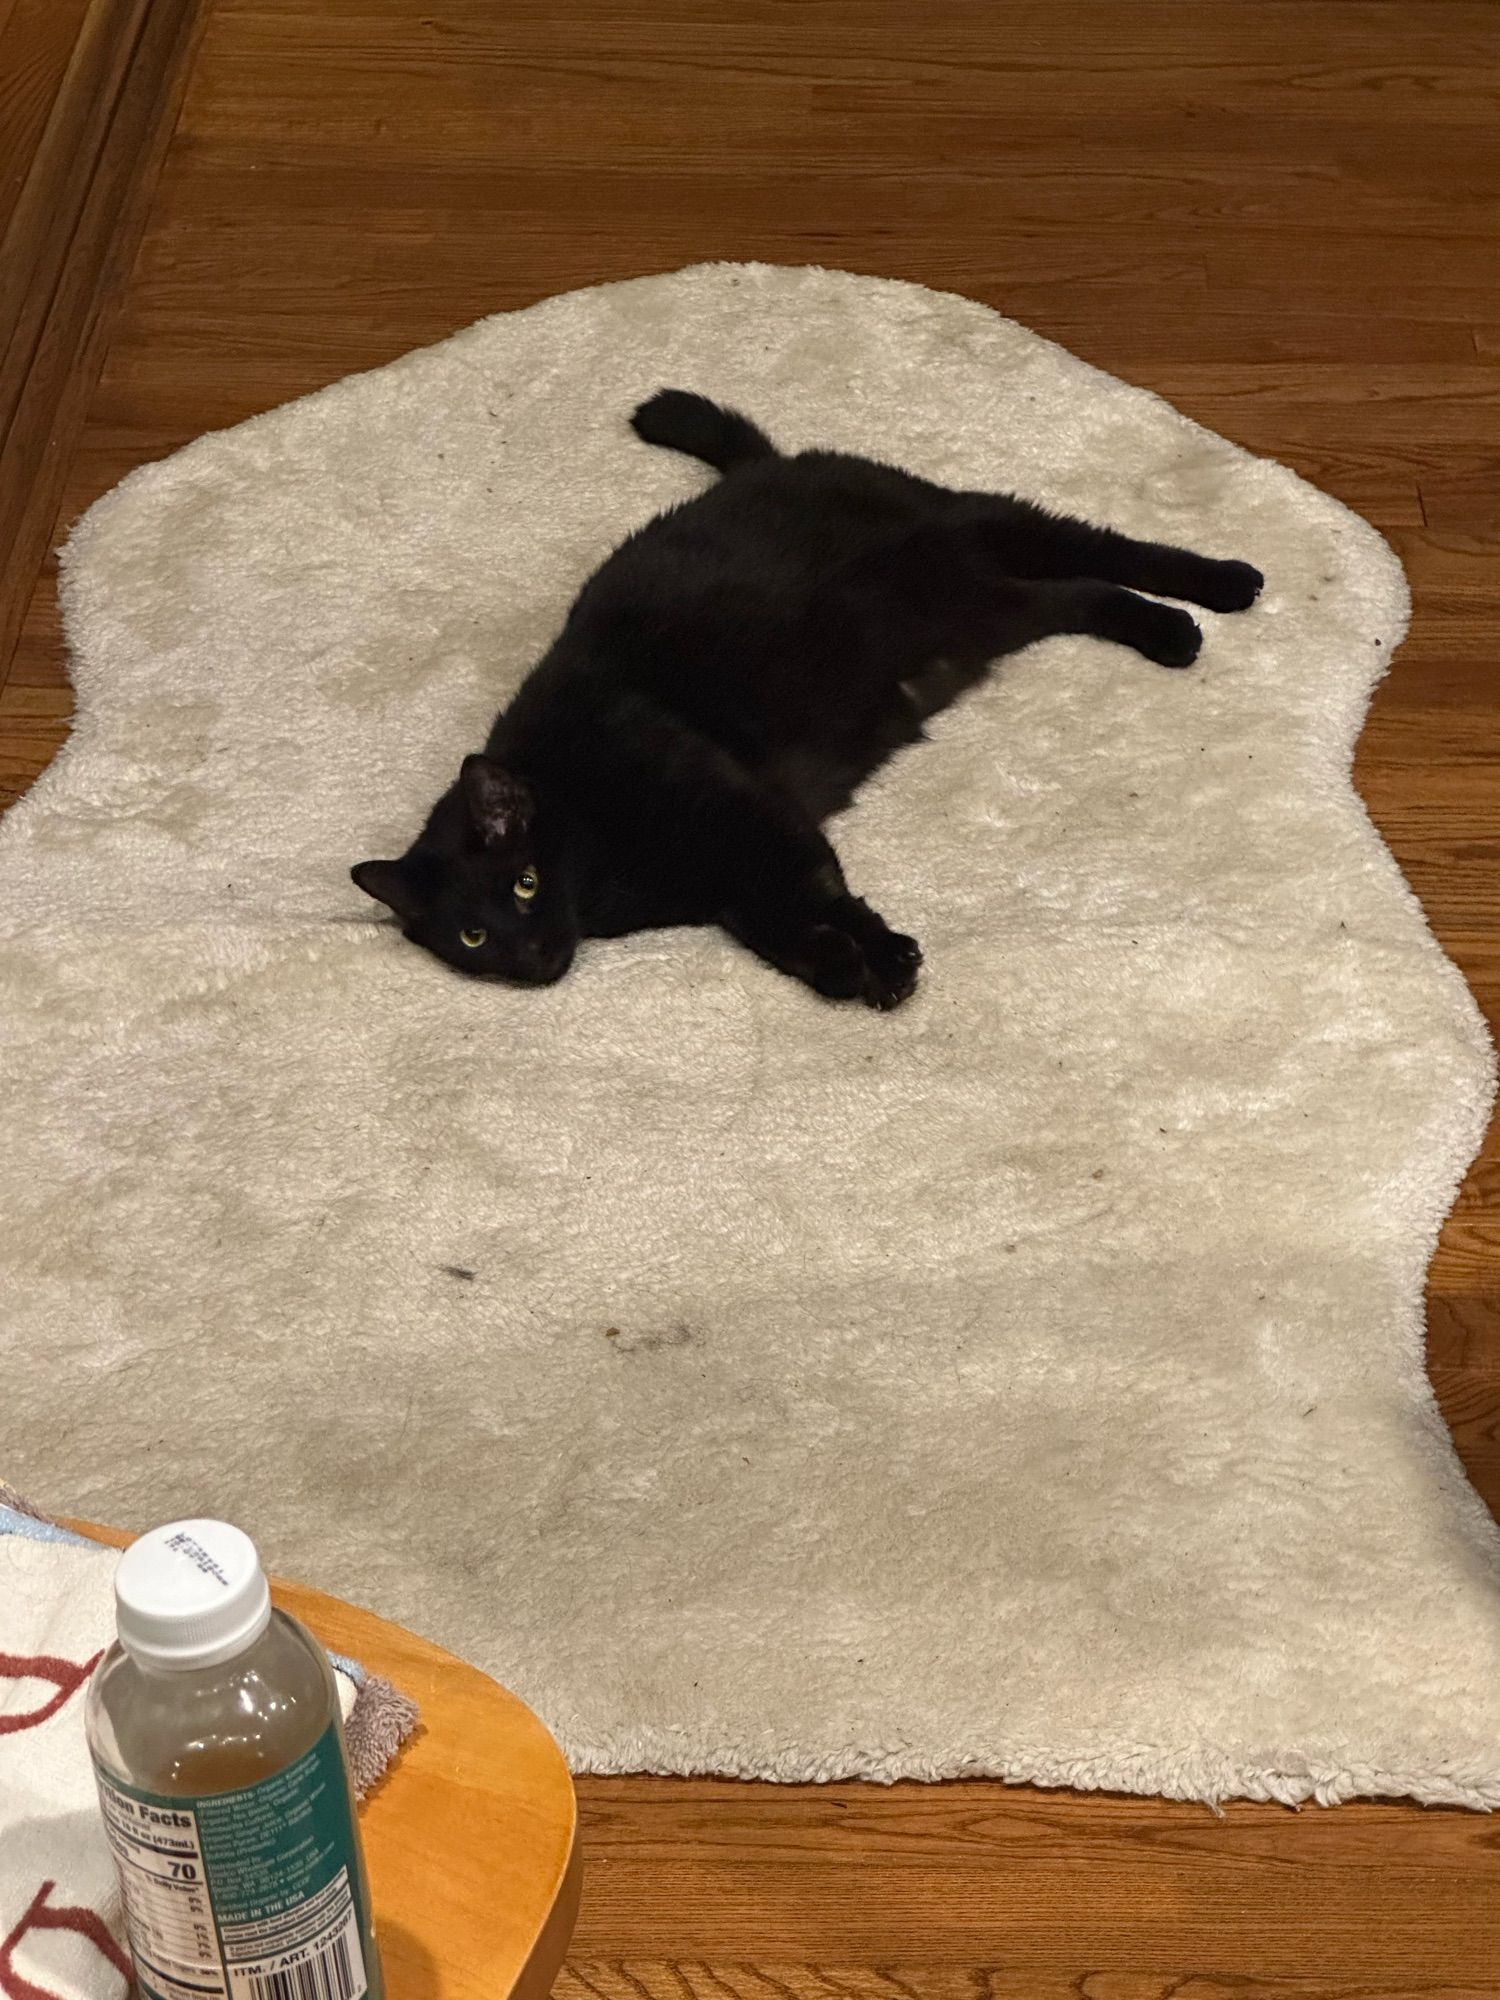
[{"x": 61, "y": 1925}]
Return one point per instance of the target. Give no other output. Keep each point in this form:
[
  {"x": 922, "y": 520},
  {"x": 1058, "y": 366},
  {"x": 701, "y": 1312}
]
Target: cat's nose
[
  {"x": 541, "y": 967},
  {"x": 552, "y": 969}
]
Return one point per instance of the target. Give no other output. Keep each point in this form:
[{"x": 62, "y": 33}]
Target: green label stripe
[{"x": 278, "y": 1862}]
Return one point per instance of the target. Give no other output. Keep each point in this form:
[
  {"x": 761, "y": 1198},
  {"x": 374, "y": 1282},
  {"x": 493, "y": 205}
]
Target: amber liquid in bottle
[{"x": 226, "y": 1796}]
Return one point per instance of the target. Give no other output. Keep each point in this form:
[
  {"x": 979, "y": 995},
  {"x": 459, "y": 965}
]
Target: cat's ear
[
  {"x": 499, "y": 805},
  {"x": 394, "y": 883}
]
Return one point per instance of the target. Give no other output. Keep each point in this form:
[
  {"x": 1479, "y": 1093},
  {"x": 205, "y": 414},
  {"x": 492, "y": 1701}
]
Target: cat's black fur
[{"x": 728, "y": 678}]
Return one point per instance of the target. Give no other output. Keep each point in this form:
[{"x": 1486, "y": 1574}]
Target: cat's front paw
[
  {"x": 879, "y": 967},
  {"x": 835, "y": 964},
  {"x": 893, "y": 961}
]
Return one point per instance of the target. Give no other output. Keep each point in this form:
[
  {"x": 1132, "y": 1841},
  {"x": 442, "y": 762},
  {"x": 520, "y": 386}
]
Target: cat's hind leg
[
  {"x": 1018, "y": 614},
  {"x": 941, "y": 608},
  {"x": 1027, "y": 541}
]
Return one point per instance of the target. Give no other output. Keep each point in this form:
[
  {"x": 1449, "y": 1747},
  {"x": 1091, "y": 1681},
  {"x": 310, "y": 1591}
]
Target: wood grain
[
  {"x": 1280, "y": 214},
  {"x": 76, "y": 182},
  {"x": 37, "y": 39},
  {"x": 988, "y": 1889},
  {"x": 471, "y": 1838}
]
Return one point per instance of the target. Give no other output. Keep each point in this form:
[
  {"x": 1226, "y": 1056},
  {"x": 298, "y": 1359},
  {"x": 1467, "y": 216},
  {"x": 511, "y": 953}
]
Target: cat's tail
[{"x": 682, "y": 421}]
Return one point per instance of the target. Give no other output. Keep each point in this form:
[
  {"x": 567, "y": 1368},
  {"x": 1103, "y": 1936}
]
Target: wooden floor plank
[
  {"x": 925, "y": 1887},
  {"x": 1281, "y": 214},
  {"x": 78, "y": 180},
  {"x": 37, "y": 38}
]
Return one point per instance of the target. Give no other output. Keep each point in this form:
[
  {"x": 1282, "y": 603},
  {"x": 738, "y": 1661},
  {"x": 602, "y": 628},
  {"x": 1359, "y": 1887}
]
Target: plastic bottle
[{"x": 214, "y": 1728}]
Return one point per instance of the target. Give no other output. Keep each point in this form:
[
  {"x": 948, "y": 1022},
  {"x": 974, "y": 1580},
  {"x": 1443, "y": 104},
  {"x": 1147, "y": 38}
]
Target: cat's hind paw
[
  {"x": 1230, "y": 586},
  {"x": 1166, "y": 635}
]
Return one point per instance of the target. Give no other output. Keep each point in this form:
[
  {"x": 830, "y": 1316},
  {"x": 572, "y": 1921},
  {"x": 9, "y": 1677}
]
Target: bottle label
[{"x": 245, "y": 1895}]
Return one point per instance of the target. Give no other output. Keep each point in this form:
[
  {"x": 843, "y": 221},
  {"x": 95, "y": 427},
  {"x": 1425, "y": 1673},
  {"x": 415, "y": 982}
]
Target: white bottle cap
[{"x": 191, "y": 1594}]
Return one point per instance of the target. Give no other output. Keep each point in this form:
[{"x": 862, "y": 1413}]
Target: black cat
[{"x": 728, "y": 678}]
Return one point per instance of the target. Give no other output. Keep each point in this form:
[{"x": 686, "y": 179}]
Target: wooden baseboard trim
[{"x": 70, "y": 239}]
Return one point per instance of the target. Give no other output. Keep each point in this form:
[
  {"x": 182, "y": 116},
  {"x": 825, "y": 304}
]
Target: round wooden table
[{"x": 471, "y": 1836}]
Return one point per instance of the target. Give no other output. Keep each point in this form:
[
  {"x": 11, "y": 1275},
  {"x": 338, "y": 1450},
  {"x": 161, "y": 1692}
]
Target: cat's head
[{"x": 485, "y": 888}]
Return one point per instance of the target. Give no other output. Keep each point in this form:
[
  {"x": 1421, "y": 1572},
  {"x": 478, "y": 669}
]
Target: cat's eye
[
  {"x": 527, "y": 885},
  {"x": 473, "y": 939}
]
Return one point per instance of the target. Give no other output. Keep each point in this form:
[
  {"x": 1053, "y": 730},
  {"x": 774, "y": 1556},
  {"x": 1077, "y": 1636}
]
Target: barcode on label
[
  {"x": 327, "y": 1975},
  {"x": 311, "y": 1952}
]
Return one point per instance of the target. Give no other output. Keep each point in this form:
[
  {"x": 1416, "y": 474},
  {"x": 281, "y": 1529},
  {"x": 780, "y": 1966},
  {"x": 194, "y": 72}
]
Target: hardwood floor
[
  {"x": 1281, "y": 214},
  {"x": 88, "y": 91}
]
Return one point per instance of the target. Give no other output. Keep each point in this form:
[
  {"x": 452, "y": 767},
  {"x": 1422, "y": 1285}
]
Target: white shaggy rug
[{"x": 1027, "y": 1383}]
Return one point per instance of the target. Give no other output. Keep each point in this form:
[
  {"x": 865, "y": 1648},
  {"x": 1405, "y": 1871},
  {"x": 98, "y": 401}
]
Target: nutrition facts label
[
  {"x": 172, "y": 1933},
  {"x": 247, "y": 1894}
]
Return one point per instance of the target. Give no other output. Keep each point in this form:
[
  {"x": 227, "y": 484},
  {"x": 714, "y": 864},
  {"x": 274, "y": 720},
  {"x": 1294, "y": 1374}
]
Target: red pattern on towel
[
  {"x": 40, "y": 1916},
  {"x": 66, "y": 1676}
]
